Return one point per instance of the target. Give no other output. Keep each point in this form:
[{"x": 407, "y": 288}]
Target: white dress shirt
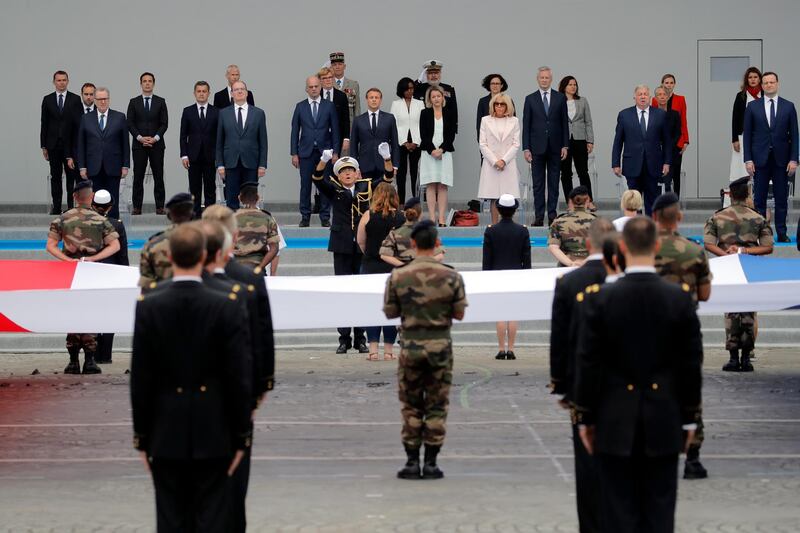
[
  {"x": 377, "y": 118},
  {"x": 766, "y": 106},
  {"x": 327, "y": 94},
  {"x": 198, "y": 279},
  {"x": 646, "y": 116},
  {"x": 63, "y": 99},
  {"x": 204, "y": 106},
  {"x": 89, "y": 107},
  {"x": 640, "y": 270},
  {"x": 318, "y": 100},
  {"x": 543, "y": 92},
  {"x": 244, "y": 107}
]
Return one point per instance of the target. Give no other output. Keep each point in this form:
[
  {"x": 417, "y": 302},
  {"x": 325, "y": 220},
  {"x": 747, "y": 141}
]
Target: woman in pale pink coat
[{"x": 499, "y": 142}]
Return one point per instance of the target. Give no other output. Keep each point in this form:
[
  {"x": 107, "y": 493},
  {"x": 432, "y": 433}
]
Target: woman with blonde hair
[
  {"x": 631, "y": 204},
  {"x": 499, "y": 141},
  {"x": 383, "y": 216},
  {"x": 437, "y": 129}
]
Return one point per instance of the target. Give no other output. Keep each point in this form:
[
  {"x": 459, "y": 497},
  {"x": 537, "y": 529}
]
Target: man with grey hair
[
  {"x": 224, "y": 98},
  {"x": 545, "y": 141},
  {"x": 643, "y": 131}
]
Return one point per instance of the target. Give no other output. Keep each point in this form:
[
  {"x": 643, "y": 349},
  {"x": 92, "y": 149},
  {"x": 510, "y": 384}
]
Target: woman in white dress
[
  {"x": 499, "y": 141},
  {"x": 437, "y": 129},
  {"x": 751, "y": 90}
]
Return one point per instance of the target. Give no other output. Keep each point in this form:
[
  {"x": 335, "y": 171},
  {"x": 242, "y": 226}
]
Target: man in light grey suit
[{"x": 241, "y": 144}]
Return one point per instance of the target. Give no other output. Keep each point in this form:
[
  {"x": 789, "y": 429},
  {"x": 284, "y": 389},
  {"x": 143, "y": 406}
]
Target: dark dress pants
[
  {"x": 202, "y": 183},
  {"x": 546, "y": 170},
  {"x": 140, "y": 158},
  {"x": 192, "y": 495},
  {"x": 307, "y": 166},
  {"x": 673, "y": 180},
  {"x": 111, "y": 184},
  {"x": 409, "y": 164},
  {"x": 780, "y": 190},
  {"x": 239, "y": 483},
  {"x": 587, "y": 486},
  {"x": 234, "y": 177},
  {"x": 347, "y": 265},
  {"x": 105, "y": 345},
  {"x": 647, "y": 185},
  {"x": 58, "y": 164},
  {"x": 577, "y": 153}
]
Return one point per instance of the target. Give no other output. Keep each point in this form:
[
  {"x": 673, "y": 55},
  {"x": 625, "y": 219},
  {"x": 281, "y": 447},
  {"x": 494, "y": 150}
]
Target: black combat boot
[
  {"x": 746, "y": 365},
  {"x": 429, "y": 469},
  {"x": 733, "y": 364},
  {"x": 411, "y": 470},
  {"x": 693, "y": 468},
  {"x": 89, "y": 366},
  {"x": 74, "y": 366}
]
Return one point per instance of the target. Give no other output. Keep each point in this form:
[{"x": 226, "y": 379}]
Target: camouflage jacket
[
  {"x": 257, "y": 232},
  {"x": 425, "y": 294},
  {"x": 398, "y": 244},
  {"x": 569, "y": 232},
  {"x": 154, "y": 263},
  {"x": 84, "y": 231},
  {"x": 682, "y": 261},
  {"x": 737, "y": 225}
]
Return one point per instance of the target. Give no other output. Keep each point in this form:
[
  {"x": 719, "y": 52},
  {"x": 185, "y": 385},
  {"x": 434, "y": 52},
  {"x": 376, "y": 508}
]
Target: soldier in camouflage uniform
[
  {"x": 738, "y": 229},
  {"x": 427, "y": 295},
  {"x": 684, "y": 262},
  {"x": 257, "y": 240},
  {"x": 396, "y": 247},
  {"x": 568, "y": 231},
  {"x": 154, "y": 264},
  {"x": 87, "y": 236}
]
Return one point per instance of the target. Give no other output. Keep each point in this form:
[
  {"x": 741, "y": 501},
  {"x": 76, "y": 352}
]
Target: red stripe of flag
[
  {"x": 36, "y": 275},
  {"x": 9, "y": 326}
]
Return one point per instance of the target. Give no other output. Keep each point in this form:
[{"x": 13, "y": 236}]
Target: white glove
[
  {"x": 327, "y": 155},
  {"x": 385, "y": 151}
]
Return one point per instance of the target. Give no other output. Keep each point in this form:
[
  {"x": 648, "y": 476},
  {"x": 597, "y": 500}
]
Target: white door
[{"x": 720, "y": 68}]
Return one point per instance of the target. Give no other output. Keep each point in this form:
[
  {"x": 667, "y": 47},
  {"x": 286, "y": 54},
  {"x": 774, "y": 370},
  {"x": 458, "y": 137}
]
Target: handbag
[{"x": 465, "y": 217}]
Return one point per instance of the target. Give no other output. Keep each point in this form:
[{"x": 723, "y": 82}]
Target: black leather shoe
[
  {"x": 362, "y": 347},
  {"x": 500, "y": 355},
  {"x": 326, "y": 223},
  {"x": 694, "y": 469},
  {"x": 55, "y": 211},
  {"x": 304, "y": 223},
  {"x": 538, "y": 222},
  {"x": 74, "y": 367},
  {"x": 733, "y": 363},
  {"x": 784, "y": 238},
  {"x": 411, "y": 470},
  {"x": 510, "y": 355},
  {"x": 343, "y": 347}
]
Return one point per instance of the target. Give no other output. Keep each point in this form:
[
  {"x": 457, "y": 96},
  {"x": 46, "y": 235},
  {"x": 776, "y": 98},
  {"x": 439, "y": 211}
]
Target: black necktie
[
  {"x": 314, "y": 110},
  {"x": 240, "y": 121},
  {"x": 643, "y": 125},
  {"x": 771, "y": 112},
  {"x": 374, "y": 125},
  {"x": 147, "y": 103},
  {"x": 202, "y": 112},
  {"x": 60, "y": 102},
  {"x": 328, "y": 96},
  {"x": 88, "y": 109}
]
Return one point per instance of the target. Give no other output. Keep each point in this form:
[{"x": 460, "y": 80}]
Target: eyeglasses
[{"x": 101, "y": 99}]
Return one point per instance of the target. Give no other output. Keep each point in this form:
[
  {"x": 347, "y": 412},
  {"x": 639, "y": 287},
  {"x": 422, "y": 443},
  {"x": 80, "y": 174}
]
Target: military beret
[
  {"x": 102, "y": 197},
  {"x": 424, "y": 225},
  {"x": 411, "y": 203},
  {"x": 580, "y": 190},
  {"x": 248, "y": 185},
  {"x": 508, "y": 201},
  {"x": 345, "y": 162},
  {"x": 433, "y": 64},
  {"x": 665, "y": 200},
  {"x": 180, "y": 198},
  {"x": 82, "y": 184},
  {"x": 336, "y": 57}
]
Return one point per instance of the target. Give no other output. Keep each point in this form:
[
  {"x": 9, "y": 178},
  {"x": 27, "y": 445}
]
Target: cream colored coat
[{"x": 499, "y": 139}]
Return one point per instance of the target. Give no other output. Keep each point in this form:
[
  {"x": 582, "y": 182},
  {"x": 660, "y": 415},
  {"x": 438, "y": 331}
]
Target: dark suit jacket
[
  {"x": 342, "y": 106},
  {"x": 264, "y": 369},
  {"x": 222, "y": 100},
  {"x": 639, "y": 366},
  {"x": 565, "y": 323},
  {"x": 737, "y": 118},
  {"x": 191, "y": 388},
  {"x": 426, "y": 127},
  {"x": 542, "y": 133},
  {"x": 674, "y": 125},
  {"x": 506, "y": 246},
  {"x": 307, "y": 134},
  {"x": 106, "y": 150},
  {"x": 58, "y": 127},
  {"x": 759, "y": 137},
  {"x": 148, "y": 124},
  {"x": 197, "y": 136},
  {"x": 343, "y": 210},
  {"x": 653, "y": 150},
  {"x": 248, "y": 145},
  {"x": 121, "y": 257},
  {"x": 364, "y": 144},
  {"x": 449, "y": 96}
]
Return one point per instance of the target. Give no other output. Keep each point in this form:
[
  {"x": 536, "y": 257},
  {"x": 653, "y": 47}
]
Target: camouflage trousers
[
  {"x": 424, "y": 377},
  {"x": 87, "y": 341},
  {"x": 740, "y": 331}
]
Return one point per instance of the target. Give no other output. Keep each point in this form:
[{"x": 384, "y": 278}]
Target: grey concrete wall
[{"x": 609, "y": 46}]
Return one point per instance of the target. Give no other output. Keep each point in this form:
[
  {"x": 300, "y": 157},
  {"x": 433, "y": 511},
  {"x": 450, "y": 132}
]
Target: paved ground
[{"x": 327, "y": 448}]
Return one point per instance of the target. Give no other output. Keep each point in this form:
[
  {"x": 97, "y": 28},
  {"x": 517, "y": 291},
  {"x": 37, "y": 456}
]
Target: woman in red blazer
[{"x": 677, "y": 103}]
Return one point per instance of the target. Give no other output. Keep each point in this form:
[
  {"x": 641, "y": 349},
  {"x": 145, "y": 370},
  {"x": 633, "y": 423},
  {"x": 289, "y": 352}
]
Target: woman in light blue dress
[{"x": 437, "y": 128}]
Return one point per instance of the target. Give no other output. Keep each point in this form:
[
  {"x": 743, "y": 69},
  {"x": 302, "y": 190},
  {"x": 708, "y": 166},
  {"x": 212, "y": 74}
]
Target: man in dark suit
[
  {"x": 61, "y": 110},
  {"x": 147, "y": 122},
  {"x": 565, "y": 323},
  {"x": 545, "y": 141},
  {"x": 433, "y": 78},
  {"x": 315, "y": 127},
  {"x": 198, "y": 141},
  {"x": 637, "y": 390},
  {"x": 369, "y": 130},
  {"x": 771, "y": 149},
  {"x": 224, "y": 98},
  {"x": 241, "y": 144},
  {"x": 644, "y": 133},
  {"x": 191, "y": 391},
  {"x": 340, "y": 102},
  {"x": 103, "y": 152}
]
